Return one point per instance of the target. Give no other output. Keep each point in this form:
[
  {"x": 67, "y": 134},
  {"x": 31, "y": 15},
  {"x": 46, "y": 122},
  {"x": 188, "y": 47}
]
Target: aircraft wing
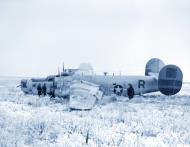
[{"x": 83, "y": 95}]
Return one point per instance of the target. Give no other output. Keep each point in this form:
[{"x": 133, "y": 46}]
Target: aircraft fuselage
[{"x": 114, "y": 84}]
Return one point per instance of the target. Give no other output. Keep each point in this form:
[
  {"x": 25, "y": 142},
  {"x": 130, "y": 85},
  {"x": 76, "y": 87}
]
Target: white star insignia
[{"x": 118, "y": 89}]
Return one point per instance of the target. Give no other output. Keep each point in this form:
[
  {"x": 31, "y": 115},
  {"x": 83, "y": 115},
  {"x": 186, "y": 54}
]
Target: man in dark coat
[
  {"x": 39, "y": 88},
  {"x": 44, "y": 90},
  {"x": 52, "y": 93},
  {"x": 130, "y": 91}
]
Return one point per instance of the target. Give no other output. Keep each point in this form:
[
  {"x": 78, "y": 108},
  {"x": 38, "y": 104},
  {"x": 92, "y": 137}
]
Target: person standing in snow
[
  {"x": 44, "y": 89},
  {"x": 39, "y": 88},
  {"x": 52, "y": 93},
  {"x": 130, "y": 91}
]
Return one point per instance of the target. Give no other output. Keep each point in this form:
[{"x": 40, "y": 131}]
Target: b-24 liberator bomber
[{"x": 84, "y": 89}]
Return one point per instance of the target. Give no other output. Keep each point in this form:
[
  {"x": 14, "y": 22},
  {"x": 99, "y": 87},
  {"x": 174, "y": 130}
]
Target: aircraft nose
[{"x": 23, "y": 83}]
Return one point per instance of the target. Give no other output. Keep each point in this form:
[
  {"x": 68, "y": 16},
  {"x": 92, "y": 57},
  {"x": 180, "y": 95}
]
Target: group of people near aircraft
[{"x": 42, "y": 90}]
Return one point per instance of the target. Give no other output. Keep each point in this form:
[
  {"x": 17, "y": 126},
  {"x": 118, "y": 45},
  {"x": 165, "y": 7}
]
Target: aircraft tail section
[
  {"x": 153, "y": 67},
  {"x": 170, "y": 77},
  {"x": 170, "y": 80}
]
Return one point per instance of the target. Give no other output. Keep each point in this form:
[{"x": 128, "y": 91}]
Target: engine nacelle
[{"x": 170, "y": 80}]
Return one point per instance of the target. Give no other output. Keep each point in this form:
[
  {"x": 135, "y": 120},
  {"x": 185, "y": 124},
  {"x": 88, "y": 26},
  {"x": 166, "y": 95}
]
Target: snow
[{"x": 149, "y": 120}]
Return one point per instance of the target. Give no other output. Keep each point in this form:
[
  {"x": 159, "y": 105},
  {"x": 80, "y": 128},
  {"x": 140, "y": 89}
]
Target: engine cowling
[{"x": 170, "y": 80}]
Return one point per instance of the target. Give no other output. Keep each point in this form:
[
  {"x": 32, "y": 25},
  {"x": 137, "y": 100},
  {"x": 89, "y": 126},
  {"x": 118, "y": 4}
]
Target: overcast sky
[{"x": 113, "y": 35}]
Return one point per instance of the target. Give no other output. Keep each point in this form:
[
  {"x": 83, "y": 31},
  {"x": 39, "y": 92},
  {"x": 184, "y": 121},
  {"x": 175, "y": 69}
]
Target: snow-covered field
[{"x": 153, "y": 120}]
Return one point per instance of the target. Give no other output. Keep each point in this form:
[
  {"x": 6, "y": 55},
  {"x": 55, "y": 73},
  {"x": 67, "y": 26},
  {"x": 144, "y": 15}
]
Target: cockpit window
[{"x": 171, "y": 73}]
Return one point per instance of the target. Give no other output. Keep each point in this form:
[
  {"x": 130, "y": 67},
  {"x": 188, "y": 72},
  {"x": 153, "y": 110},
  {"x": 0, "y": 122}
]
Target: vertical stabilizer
[{"x": 153, "y": 67}]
